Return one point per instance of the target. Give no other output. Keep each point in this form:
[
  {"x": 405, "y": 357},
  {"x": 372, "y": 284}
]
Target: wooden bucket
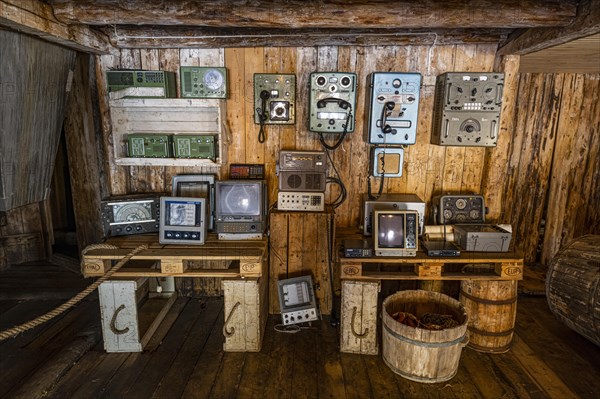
[
  {"x": 492, "y": 308},
  {"x": 573, "y": 286},
  {"x": 419, "y": 354}
]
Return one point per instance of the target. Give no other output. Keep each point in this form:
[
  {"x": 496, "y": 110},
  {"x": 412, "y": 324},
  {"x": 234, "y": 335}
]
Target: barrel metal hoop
[
  {"x": 489, "y": 301},
  {"x": 480, "y": 348},
  {"x": 421, "y": 343},
  {"x": 490, "y": 333}
]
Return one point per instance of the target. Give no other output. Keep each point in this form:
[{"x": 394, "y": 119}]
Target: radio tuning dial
[
  {"x": 447, "y": 214},
  {"x": 396, "y": 83},
  {"x": 321, "y": 81},
  {"x": 474, "y": 214},
  {"x": 461, "y": 203},
  {"x": 345, "y": 81}
]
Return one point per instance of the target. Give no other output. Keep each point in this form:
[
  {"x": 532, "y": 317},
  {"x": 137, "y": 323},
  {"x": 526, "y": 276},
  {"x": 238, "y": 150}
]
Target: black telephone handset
[
  {"x": 262, "y": 114},
  {"x": 343, "y": 104},
  {"x": 385, "y": 112}
]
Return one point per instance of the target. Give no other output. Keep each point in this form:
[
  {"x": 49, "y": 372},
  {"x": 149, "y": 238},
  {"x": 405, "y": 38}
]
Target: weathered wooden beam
[
  {"x": 36, "y": 18},
  {"x": 192, "y": 37},
  {"x": 320, "y": 14},
  {"x": 586, "y": 23}
]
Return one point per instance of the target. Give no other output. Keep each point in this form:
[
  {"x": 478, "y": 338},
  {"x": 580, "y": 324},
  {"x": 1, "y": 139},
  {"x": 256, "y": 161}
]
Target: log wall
[{"x": 525, "y": 171}]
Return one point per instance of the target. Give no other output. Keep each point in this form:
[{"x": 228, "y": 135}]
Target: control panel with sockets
[
  {"x": 392, "y": 108},
  {"x": 149, "y": 145},
  {"x": 300, "y": 201},
  {"x": 274, "y": 99},
  {"x": 194, "y": 146},
  {"x": 203, "y": 82},
  {"x": 314, "y": 161},
  {"x": 458, "y": 209}
]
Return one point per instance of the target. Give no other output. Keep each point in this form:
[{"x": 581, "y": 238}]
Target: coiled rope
[{"x": 77, "y": 298}]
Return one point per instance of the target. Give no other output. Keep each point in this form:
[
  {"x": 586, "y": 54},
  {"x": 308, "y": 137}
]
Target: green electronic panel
[
  {"x": 148, "y": 145},
  {"x": 332, "y": 102},
  {"x": 194, "y": 146},
  {"x": 119, "y": 80},
  {"x": 203, "y": 82}
]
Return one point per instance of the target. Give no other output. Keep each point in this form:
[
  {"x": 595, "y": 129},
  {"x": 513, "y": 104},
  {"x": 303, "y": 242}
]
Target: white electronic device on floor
[{"x": 297, "y": 300}]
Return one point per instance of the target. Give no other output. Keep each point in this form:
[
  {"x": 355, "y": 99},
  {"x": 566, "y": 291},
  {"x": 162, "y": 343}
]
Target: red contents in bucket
[{"x": 429, "y": 321}]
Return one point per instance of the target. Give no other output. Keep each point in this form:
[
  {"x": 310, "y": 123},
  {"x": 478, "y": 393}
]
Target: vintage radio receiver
[
  {"x": 482, "y": 237},
  {"x": 467, "y": 109},
  {"x": 453, "y": 209},
  {"x": 241, "y": 206},
  {"x": 274, "y": 99},
  {"x": 247, "y": 171},
  {"x": 302, "y": 181},
  {"x": 387, "y": 161},
  {"x": 203, "y": 82},
  {"x": 358, "y": 248},
  {"x": 332, "y": 102},
  {"x": 183, "y": 220},
  {"x": 149, "y": 145},
  {"x": 313, "y": 161},
  {"x": 395, "y": 232},
  {"x": 297, "y": 300},
  {"x": 391, "y": 201},
  {"x": 194, "y": 146},
  {"x": 123, "y": 79},
  {"x": 130, "y": 214},
  {"x": 392, "y": 108},
  {"x": 300, "y": 201}
]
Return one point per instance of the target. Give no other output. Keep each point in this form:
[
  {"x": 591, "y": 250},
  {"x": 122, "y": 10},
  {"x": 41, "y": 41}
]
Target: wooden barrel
[
  {"x": 492, "y": 308},
  {"x": 416, "y": 353},
  {"x": 573, "y": 286}
]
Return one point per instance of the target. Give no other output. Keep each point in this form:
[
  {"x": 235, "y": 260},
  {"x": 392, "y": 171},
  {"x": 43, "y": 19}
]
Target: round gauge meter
[
  {"x": 213, "y": 79},
  {"x": 461, "y": 203},
  {"x": 474, "y": 214},
  {"x": 133, "y": 212},
  {"x": 448, "y": 214}
]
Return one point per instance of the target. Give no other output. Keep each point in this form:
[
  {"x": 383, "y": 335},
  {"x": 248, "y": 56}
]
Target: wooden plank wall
[{"x": 515, "y": 174}]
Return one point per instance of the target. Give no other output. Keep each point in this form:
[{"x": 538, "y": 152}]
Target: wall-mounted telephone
[
  {"x": 332, "y": 102},
  {"x": 392, "y": 107},
  {"x": 274, "y": 100}
]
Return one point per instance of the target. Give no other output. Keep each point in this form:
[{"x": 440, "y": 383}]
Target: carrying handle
[
  {"x": 228, "y": 333},
  {"x": 113, "y": 322},
  {"x": 356, "y": 334}
]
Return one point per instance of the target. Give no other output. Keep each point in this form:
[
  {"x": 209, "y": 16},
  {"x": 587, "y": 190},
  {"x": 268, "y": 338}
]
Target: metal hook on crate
[
  {"x": 229, "y": 333},
  {"x": 113, "y": 322},
  {"x": 357, "y": 335}
]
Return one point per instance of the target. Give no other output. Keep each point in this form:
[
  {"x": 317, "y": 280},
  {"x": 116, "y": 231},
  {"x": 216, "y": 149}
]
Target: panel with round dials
[
  {"x": 462, "y": 209},
  {"x": 203, "y": 82},
  {"x": 130, "y": 215}
]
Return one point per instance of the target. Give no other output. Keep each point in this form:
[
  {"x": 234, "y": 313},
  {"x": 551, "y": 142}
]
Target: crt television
[
  {"x": 395, "y": 232},
  {"x": 182, "y": 220},
  {"x": 241, "y": 206}
]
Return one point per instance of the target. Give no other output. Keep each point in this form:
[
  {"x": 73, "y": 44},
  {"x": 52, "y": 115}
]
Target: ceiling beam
[
  {"x": 586, "y": 23},
  {"x": 36, "y": 18},
  {"x": 357, "y": 14},
  {"x": 189, "y": 37}
]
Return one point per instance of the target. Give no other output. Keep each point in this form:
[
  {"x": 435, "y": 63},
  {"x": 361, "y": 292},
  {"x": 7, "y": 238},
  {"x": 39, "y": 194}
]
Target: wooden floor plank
[
  {"x": 175, "y": 378},
  {"x": 521, "y": 383},
  {"x": 484, "y": 375},
  {"x": 356, "y": 379},
  {"x": 304, "y": 370},
  {"x": 330, "y": 374}
]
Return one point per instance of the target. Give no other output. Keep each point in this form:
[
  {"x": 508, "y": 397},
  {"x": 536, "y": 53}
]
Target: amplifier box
[
  {"x": 149, "y": 145},
  {"x": 467, "y": 109},
  {"x": 194, "y": 146},
  {"x": 247, "y": 171},
  {"x": 297, "y": 201},
  {"x": 313, "y": 161},
  {"x": 123, "y": 79},
  {"x": 358, "y": 248},
  {"x": 452, "y": 209},
  {"x": 203, "y": 82},
  {"x": 482, "y": 237},
  {"x": 391, "y": 201},
  {"x": 392, "y": 108},
  {"x": 302, "y": 181}
]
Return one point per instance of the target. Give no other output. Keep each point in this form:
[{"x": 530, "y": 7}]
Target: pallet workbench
[
  {"x": 361, "y": 278},
  {"x": 244, "y": 272}
]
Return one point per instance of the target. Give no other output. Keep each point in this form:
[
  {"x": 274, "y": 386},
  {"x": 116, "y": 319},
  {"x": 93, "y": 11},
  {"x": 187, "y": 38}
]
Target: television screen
[
  {"x": 133, "y": 211},
  {"x": 183, "y": 213},
  {"x": 240, "y": 199},
  {"x": 391, "y": 230}
]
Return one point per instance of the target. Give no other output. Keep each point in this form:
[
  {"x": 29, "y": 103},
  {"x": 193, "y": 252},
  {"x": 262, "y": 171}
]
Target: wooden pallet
[
  {"x": 247, "y": 258},
  {"x": 468, "y": 266}
]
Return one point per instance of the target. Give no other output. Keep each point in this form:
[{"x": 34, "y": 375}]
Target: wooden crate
[
  {"x": 359, "y": 317},
  {"x": 246, "y": 258},
  {"x": 130, "y": 314},
  {"x": 300, "y": 246},
  {"x": 246, "y": 312}
]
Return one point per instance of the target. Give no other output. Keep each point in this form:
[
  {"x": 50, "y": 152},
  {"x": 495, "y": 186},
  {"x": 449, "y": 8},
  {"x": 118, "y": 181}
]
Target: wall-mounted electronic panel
[
  {"x": 467, "y": 109},
  {"x": 387, "y": 161},
  {"x": 183, "y": 220},
  {"x": 458, "y": 209},
  {"x": 203, "y": 82},
  {"x": 149, "y": 145},
  {"x": 392, "y": 108},
  {"x": 194, "y": 146},
  {"x": 274, "y": 99},
  {"x": 332, "y": 105},
  {"x": 124, "y": 79}
]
